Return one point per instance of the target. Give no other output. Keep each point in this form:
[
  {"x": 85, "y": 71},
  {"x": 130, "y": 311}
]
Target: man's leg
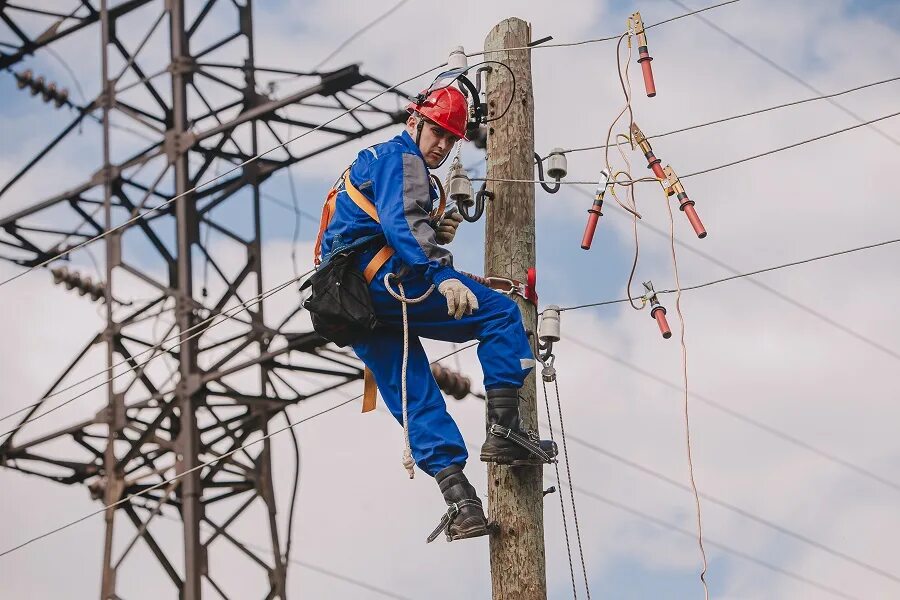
[
  {"x": 436, "y": 443},
  {"x": 434, "y": 438},
  {"x": 504, "y": 352}
]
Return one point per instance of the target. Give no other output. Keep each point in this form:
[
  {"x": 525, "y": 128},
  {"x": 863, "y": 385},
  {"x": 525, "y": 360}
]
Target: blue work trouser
[{"x": 504, "y": 353}]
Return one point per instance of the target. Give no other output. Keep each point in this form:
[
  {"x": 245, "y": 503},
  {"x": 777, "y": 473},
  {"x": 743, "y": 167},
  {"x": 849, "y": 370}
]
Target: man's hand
[
  {"x": 446, "y": 231},
  {"x": 460, "y": 299}
]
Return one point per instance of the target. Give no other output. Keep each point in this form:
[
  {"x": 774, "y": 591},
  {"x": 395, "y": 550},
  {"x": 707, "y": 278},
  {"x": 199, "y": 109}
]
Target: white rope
[{"x": 408, "y": 462}]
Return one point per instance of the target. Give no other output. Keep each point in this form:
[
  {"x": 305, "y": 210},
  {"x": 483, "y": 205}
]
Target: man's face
[{"x": 434, "y": 143}]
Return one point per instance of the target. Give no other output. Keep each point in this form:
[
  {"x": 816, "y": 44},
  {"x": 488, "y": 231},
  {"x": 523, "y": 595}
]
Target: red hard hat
[{"x": 446, "y": 107}]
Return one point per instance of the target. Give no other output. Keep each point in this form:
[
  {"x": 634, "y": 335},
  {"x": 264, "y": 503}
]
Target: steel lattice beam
[{"x": 200, "y": 400}]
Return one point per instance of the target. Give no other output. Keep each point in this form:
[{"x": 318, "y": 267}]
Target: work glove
[
  {"x": 460, "y": 299},
  {"x": 446, "y": 230}
]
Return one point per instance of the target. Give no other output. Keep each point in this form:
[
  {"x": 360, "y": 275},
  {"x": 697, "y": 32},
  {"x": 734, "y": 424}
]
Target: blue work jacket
[{"x": 394, "y": 176}]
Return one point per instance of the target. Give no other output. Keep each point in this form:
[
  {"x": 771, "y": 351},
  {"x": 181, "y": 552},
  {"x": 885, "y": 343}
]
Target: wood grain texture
[{"x": 515, "y": 501}]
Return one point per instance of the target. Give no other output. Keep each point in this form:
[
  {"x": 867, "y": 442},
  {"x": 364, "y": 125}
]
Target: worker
[{"x": 394, "y": 177}]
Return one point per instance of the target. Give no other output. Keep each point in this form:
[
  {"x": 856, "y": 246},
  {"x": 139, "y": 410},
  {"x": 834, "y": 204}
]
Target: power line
[
  {"x": 612, "y": 37},
  {"x": 782, "y": 70},
  {"x": 300, "y": 563},
  {"x": 244, "y": 305},
  {"x": 789, "y": 146},
  {"x": 344, "y": 578},
  {"x": 704, "y": 171},
  {"x": 735, "y": 509},
  {"x": 203, "y": 465},
  {"x": 305, "y": 133},
  {"x": 204, "y": 184},
  {"x": 359, "y": 32},
  {"x": 743, "y": 417},
  {"x": 689, "y": 14},
  {"x": 804, "y": 307},
  {"x": 743, "y": 115},
  {"x": 725, "y": 548},
  {"x": 742, "y": 275},
  {"x": 277, "y": 202},
  {"x": 75, "y": 81},
  {"x": 357, "y": 582}
]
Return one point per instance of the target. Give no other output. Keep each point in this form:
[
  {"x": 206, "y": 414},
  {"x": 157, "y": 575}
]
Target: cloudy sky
[{"x": 792, "y": 373}]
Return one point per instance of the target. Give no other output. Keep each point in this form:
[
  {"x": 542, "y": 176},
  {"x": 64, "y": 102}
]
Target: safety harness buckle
[{"x": 530, "y": 441}]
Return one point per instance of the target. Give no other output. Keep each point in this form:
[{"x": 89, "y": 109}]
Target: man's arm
[{"x": 401, "y": 189}]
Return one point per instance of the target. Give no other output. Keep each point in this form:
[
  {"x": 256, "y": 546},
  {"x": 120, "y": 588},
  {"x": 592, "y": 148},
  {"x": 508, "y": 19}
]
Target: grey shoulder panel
[{"x": 416, "y": 206}]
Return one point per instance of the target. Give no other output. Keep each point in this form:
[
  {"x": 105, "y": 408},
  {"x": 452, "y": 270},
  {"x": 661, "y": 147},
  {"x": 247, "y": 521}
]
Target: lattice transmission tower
[{"x": 180, "y": 101}]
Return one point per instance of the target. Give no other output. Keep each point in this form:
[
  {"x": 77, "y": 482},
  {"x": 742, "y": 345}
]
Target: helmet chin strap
[{"x": 419, "y": 126}]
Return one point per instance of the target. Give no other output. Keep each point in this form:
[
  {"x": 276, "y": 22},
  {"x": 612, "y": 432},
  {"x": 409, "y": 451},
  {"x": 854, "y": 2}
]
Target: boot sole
[
  {"x": 519, "y": 462},
  {"x": 470, "y": 534}
]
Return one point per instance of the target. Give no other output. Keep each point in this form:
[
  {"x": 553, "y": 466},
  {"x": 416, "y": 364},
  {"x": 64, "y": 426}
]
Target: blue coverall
[{"x": 394, "y": 176}]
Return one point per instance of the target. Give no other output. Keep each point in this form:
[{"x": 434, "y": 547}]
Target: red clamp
[
  {"x": 512, "y": 287},
  {"x": 657, "y": 310},
  {"x": 653, "y": 163},
  {"x": 531, "y": 287},
  {"x": 636, "y": 26},
  {"x": 675, "y": 188},
  {"x": 594, "y": 213}
]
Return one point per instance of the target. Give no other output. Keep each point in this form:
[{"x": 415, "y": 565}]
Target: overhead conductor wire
[
  {"x": 746, "y": 114},
  {"x": 747, "y": 274},
  {"x": 244, "y": 305},
  {"x": 157, "y": 208},
  {"x": 359, "y": 32},
  {"x": 204, "y": 184},
  {"x": 203, "y": 465},
  {"x": 709, "y": 169}
]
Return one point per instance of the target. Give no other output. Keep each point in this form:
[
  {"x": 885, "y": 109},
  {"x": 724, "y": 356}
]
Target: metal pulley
[
  {"x": 459, "y": 186},
  {"x": 548, "y": 373},
  {"x": 557, "y": 165}
]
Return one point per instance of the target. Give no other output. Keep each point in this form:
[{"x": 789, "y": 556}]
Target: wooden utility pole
[{"x": 515, "y": 499}]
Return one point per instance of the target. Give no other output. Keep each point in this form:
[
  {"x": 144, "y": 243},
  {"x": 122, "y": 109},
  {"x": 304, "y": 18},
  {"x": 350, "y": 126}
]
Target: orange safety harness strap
[{"x": 370, "y": 388}]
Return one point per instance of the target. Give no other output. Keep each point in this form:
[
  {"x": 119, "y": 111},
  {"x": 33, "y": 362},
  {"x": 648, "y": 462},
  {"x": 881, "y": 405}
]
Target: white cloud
[{"x": 748, "y": 350}]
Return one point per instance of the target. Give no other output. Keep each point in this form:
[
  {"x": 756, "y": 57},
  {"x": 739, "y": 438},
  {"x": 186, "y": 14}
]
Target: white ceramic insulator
[
  {"x": 557, "y": 165},
  {"x": 549, "y": 327},
  {"x": 457, "y": 59},
  {"x": 461, "y": 190}
]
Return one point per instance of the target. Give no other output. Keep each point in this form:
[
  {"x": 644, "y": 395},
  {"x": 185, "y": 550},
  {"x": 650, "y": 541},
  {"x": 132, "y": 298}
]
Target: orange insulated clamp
[
  {"x": 594, "y": 213},
  {"x": 636, "y": 25},
  {"x": 657, "y": 310},
  {"x": 675, "y": 188},
  {"x": 653, "y": 163}
]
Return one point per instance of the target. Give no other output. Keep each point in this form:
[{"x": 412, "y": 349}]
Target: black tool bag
[{"x": 340, "y": 305}]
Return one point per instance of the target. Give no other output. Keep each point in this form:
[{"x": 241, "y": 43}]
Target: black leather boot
[
  {"x": 507, "y": 443},
  {"x": 464, "y": 517}
]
